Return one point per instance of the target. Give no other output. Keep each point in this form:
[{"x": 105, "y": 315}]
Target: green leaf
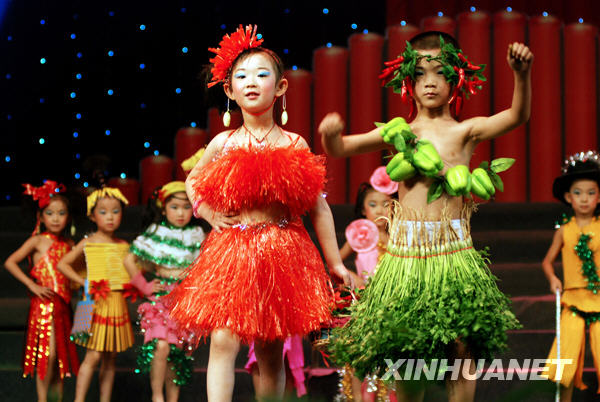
[
  {"x": 501, "y": 164},
  {"x": 484, "y": 165},
  {"x": 435, "y": 191},
  {"x": 496, "y": 180},
  {"x": 379, "y": 124}
]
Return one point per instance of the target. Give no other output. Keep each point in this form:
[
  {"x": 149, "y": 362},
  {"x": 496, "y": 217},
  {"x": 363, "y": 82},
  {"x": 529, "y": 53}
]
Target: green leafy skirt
[{"x": 430, "y": 289}]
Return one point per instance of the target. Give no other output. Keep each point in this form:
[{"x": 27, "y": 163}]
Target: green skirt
[{"x": 431, "y": 288}]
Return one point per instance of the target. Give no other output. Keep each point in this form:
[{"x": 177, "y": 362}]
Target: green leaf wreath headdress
[{"x": 465, "y": 77}]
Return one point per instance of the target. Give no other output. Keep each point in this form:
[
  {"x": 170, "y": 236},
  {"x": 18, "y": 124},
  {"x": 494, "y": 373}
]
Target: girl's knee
[
  {"x": 222, "y": 341},
  {"x": 92, "y": 357},
  {"x": 162, "y": 349}
]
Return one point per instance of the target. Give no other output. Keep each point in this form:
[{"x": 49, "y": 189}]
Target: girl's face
[
  {"x": 178, "y": 210},
  {"x": 107, "y": 214},
  {"x": 377, "y": 205},
  {"x": 583, "y": 196},
  {"x": 431, "y": 88},
  {"x": 55, "y": 216},
  {"x": 253, "y": 84}
]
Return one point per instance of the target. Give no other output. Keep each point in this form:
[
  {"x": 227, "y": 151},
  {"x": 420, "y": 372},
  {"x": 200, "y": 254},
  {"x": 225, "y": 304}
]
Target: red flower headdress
[
  {"x": 230, "y": 47},
  {"x": 44, "y": 193}
]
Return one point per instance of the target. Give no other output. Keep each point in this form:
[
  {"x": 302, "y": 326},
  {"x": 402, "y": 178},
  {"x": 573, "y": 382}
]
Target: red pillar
[
  {"x": 580, "y": 71},
  {"x": 545, "y": 124},
  {"x": 474, "y": 35},
  {"x": 298, "y": 103},
  {"x": 129, "y": 187},
  {"x": 509, "y": 27},
  {"x": 437, "y": 23},
  {"x": 366, "y": 54},
  {"x": 397, "y": 36},
  {"x": 215, "y": 121},
  {"x": 330, "y": 72},
  {"x": 187, "y": 141},
  {"x": 155, "y": 171}
]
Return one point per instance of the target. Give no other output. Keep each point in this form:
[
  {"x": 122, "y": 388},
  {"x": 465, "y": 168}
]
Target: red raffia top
[{"x": 254, "y": 178}]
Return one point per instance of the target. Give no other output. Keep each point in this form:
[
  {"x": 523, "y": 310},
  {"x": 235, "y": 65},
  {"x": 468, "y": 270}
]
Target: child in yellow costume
[{"x": 577, "y": 238}]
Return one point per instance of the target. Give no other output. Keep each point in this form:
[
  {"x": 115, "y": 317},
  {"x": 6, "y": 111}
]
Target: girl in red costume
[
  {"x": 259, "y": 277},
  {"x": 48, "y": 349}
]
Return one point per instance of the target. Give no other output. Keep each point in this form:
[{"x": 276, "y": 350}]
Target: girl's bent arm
[
  {"x": 65, "y": 265},
  {"x": 551, "y": 255},
  {"x": 12, "y": 265}
]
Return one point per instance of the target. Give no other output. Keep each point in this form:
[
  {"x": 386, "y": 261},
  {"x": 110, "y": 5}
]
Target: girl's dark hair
[
  {"x": 154, "y": 214},
  {"x": 277, "y": 63},
  {"x": 363, "y": 190}
]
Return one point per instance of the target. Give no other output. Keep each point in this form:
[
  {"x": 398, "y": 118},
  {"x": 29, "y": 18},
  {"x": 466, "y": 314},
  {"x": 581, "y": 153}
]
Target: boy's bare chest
[{"x": 449, "y": 142}]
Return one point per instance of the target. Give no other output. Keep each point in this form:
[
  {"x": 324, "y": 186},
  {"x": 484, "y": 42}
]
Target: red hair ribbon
[{"x": 43, "y": 193}]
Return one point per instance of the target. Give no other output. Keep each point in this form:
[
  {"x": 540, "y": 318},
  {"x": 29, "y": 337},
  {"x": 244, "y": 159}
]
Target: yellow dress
[
  {"x": 111, "y": 329},
  {"x": 577, "y": 301}
]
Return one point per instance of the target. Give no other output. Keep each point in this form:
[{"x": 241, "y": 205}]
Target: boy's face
[
  {"x": 431, "y": 88},
  {"x": 583, "y": 196}
]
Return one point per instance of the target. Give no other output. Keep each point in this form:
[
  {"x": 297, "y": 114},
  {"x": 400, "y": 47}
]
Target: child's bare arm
[
  {"x": 342, "y": 146},
  {"x": 12, "y": 265},
  {"x": 346, "y": 251},
  {"x": 547, "y": 264},
  {"x": 520, "y": 59},
  {"x": 65, "y": 265}
]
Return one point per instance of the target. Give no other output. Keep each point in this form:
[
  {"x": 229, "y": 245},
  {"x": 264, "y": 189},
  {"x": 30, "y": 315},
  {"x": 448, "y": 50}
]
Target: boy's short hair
[{"x": 431, "y": 40}]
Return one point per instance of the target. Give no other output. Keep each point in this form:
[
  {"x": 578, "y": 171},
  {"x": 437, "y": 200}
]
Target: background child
[
  {"x": 473, "y": 315},
  {"x": 168, "y": 246},
  {"x": 577, "y": 239},
  {"x": 259, "y": 277},
  {"x": 111, "y": 330},
  {"x": 48, "y": 349}
]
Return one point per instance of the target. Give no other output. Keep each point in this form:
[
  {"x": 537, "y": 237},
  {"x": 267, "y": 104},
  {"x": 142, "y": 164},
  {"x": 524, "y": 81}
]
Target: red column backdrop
[
  {"x": 154, "y": 171},
  {"x": 366, "y": 59},
  {"x": 215, "y": 121},
  {"x": 580, "y": 88},
  {"x": 397, "y": 36},
  {"x": 439, "y": 23},
  {"x": 187, "y": 141},
  {"x": 129, "y": 187},
  {"x": 509, "y": 27},
  {"x": 545, "y": 124},
  {"x": 474, "y": 36},
  {"x": 330, "y": 72},
  {"x": 298, "y": 103}
]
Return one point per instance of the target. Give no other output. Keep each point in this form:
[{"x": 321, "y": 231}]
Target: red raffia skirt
[{"x": 264, "y": 281}]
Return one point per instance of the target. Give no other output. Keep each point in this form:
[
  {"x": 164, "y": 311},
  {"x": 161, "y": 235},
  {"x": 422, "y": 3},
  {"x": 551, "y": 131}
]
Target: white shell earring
[
  {"x": 284, "y": 114},
  {"x": 227, "y": 116}
]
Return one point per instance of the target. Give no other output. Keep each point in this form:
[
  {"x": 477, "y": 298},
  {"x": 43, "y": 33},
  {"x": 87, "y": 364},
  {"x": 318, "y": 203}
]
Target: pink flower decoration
[
  {"x": 362, "y": 235},
  {"x": 381, "y": 181}
]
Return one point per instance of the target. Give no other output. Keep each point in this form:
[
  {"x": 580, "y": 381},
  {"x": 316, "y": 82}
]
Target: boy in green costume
[{"x": 432, "y": 296}]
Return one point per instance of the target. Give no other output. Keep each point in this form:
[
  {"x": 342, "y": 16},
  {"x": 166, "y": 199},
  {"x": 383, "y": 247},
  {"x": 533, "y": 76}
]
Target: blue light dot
[
  {"x": 42, "y": 22},
  {"x": 9, "y": 38},
  {"x": 403, "y": 23},
  {"x": 287, "y": 11},
  {"x": 7, "y": 158},
  {"x": 440, "y": 14},
  {"x": 42, "y": 141},
  {"x": 354, "y": 26},
  {"x": 328, "y": 44},
  {"x": 79, "y": 55},
  {"x": 286, "y": 51},
  {"x": 77, "y": 175},
  {"x": 86, "y": 184},
  {"x": 581, "y": 20},
  {"x": 111, "y": 13},
  {"x": 325, "y": 11},
  {"x": 75, "y": 134},
  {"x": 473, "y": 9},
  {"x": 365, "y": 31},
  {"x": 42, "y": 100},
  {"x": 78, "y": 116},
  {"x": 545, "y": 13},
  {"x": 146, "y": 144},
  {"x": 8, "y": 198},
  {"x": 177, "y": 90},
  {"x": 183, "y": 9},
  {"x": 77, "y": 156},
  {"x": 259, "y": 36},
  {"x": 110, "y": 92},
  {"x": 156, "y": 153},
  {"x": 73, "y": 36},
  {"x": 110, "y": 53},
  {"x": 107, "y": 132},
  {"x": 8, "y": 76},
  {"x": 73, "y": 95},
  {"x": 193, "y": 124},
  {"x": 43, "y": 60},
  {"x": 142, "y": 27},
  {"x": 78, "y": 76},
  {"x": 142, "y": 106},
  {"x": 223, "y": 26},
  {"x": 184, "y": 49},
  {"x": 509, "y": 9},
  {"x": 123, "y": 175},
  {"x": 142, "y": 66},
  {"x": 294, "y": 67},
  {"x": 75, "y": 16},
  {"x": 9, "y": 117}
]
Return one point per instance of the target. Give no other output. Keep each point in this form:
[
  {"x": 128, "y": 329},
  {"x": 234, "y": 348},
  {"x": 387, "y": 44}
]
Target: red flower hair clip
[
  {"x": 230, "y": 47},
  {"x": 43, "y": 193}
]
